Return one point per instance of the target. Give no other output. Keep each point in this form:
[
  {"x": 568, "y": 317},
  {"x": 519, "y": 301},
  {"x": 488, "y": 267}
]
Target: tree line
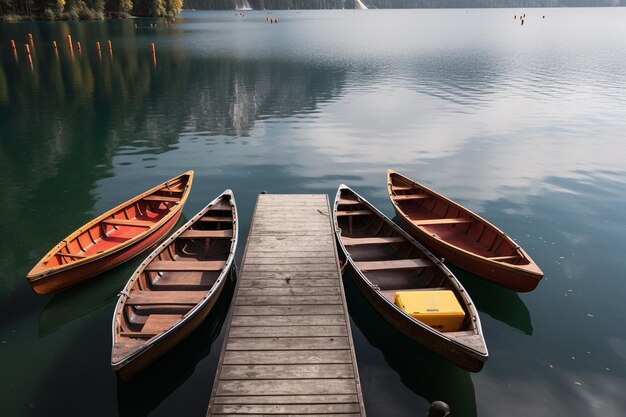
[{"x": 86, "y": 9}]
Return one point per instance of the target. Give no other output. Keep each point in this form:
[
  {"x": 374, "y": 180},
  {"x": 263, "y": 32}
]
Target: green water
[{"x": 523, "y": 124}]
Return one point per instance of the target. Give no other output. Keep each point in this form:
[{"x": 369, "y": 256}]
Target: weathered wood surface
[{"x": 289, "y": 348}]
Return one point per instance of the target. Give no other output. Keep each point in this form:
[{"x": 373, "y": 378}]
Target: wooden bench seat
[
  {"x": 405, "y": 197},
  {"x": 348, "y": 201},
  {"x": 128, "y": 222},
  {"x": 216, "y": 219},
  {"x": 71, "y": 255},
  {"x": 154, "y": 326},
  {"x": 154, "y": 298},
  {"x": 199, "y": 234},
  {"x": 433, "y": 222},
  {"x": 355, "y": 241},
  {"x": 353, "y": 213},
  {"x": 395, "y": 264},
  {"x": 161, "y": 198},
  {"x": 503, "y": 258},
  {"x": 402, "y": 187},
  {"x": 163, "y": 266}
]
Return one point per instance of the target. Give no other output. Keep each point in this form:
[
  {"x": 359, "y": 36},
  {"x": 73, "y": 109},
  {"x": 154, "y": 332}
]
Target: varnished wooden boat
[
  {"x": 386, "y": 260},
  {"x": 174, "y": 289},
  {"x": 113, "y": 237},
  {"x": 460, "y": 236}
]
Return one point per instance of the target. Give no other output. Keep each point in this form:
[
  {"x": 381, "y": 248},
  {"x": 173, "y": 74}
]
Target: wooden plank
[
  {"x": 432, "y": 222},
  {"x": 165, "y": 297},
  {"x": 301, "y": 300},
  {"x": 129, "y": 222},
  {"x": 287, "y": 310},
  {"x": 265, "y": 292},
  {"x": 302, "y": 320},
  {"x": 394, "y": 264},
  {"x": 268, "y": 372},
  {"x": 305, "y": 356},
  {"x": 294, "y": 275},
  {"x": 287, "y": 268},
  {"x": 350, "y": 241},
  {"x": 288, "y": 331},
  {"x": 406, "y": 197},
  {"x": 155, "y": 197},
  {"x": 288, "y": 283},
  {"x": 71, "y": 255},
  {"x": 289, "y": 399},
  {"x": 286, "y": 409},
  {"x": 311, "y": 253},
  {"x": 343, "y": 213},
  {"x": 288, "y": 343},
  {"x": 287, "y": 387},
  {"x": 200, "y": 234},
  {"x": 216, "y": 219},
  {"x": 291, "y": 261},
  {"x": 185, "y": 266},
  {"x": 158, "y": 323},
  {"x": 504, "y": 258}
]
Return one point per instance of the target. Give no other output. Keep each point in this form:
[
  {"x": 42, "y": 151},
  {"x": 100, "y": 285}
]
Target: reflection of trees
[{"x": 65, "y": 121}]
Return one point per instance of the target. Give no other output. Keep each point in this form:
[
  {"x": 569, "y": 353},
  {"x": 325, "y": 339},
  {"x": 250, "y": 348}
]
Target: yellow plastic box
[{"x": 438, "y": 308}]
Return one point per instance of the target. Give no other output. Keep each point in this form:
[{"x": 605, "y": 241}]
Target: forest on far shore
[{"x": 15, "y": 10}]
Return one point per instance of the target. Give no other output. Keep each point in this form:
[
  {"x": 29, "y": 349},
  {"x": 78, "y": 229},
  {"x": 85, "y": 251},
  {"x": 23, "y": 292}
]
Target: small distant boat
[
  {"x": 174, "y": 289},
  {"x": 461, "y": 236},
  {"x": 112, "y": 238},
  {"x": 407, "y": 285}
]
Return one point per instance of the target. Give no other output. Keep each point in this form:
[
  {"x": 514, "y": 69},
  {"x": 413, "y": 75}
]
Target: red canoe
[
  {"x": 112, "y": 238},
  {"x": 460, "y": 236}
]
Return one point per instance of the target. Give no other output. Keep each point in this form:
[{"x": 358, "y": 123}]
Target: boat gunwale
[
  {"x": 39, "y": 272},
  {"x": 153, "y": 341},
  {"x": 459, "y": 289},
  {"x": 531, "y": 269}
]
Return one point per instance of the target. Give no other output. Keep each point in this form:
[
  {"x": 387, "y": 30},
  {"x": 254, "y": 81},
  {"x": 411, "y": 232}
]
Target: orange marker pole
[
  {"x": 110, "y": 49},
  {"x": 153, "y": 53},
  {"x": 30, "y": 58},
  {"x": 14, "y": 49},
  {"x": 30, "y": 40},
  {"x": 54, "y": 46},
  {"x": 78, "y": 46},
  {"x": 69, "y": 43},
  {"x": 98, "y": 49}
]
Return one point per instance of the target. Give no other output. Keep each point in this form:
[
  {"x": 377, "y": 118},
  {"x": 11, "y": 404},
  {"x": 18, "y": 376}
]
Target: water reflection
[
  {"x": 501, "y": 304},
  {"x": 143, "y": 393},
  {"x": 84, "y": 299}
]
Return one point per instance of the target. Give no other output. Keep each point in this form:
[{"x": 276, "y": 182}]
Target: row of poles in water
[{"x": 29, "y": 48}]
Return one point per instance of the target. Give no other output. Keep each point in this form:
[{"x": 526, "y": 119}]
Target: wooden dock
[{"x": 289, "y": 348}]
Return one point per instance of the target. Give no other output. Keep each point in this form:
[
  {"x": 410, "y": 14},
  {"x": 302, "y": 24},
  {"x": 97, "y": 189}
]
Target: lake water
[{"x": 525, "y": 125}]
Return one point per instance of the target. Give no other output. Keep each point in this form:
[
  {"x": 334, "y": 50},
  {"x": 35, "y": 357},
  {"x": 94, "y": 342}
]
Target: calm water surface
[{"x": 524, "y": 124}]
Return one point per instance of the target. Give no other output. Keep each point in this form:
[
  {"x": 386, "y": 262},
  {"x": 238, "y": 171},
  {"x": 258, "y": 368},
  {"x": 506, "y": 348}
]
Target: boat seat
[
  {"x": 433, "y": 222},
  {"x": 158, "y": 266},
  {"x": 221, "y": 205},
  {"x": 396, "y": 264},
  {"x": 154, "y": 325},
  {"x": 503, "y": 258},
  {"x": 405, "y": 197},
  {"x": 353, "y": 213},
  {"x": 354, "y": 241},
  {"x": 391, "y": 294},
  {"x": 161, "y": 198},
  {"x": 71, "y": 255},
  {"x": 216, "y": 219},
  {"x": 153, "y": 298},
  {"x": 348, "y": 201},
  {"x": 199, "y": 234},
  {"x": 402, "y": 187},
  {"x": 128, "y": 222}
]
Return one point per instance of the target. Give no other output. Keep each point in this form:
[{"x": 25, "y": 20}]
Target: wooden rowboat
[
  {"x": 386, "y": 261},
  {"x": 174, "y": 289},
  {"x": 112, "y": 238},
  {"x": 462, "y": 237}
]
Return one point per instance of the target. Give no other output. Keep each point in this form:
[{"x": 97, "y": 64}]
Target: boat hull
[
  {"x": 455, "y": 353},
  {"x": 506, "y": 275},
  {"x": 61, "y": 280}
]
